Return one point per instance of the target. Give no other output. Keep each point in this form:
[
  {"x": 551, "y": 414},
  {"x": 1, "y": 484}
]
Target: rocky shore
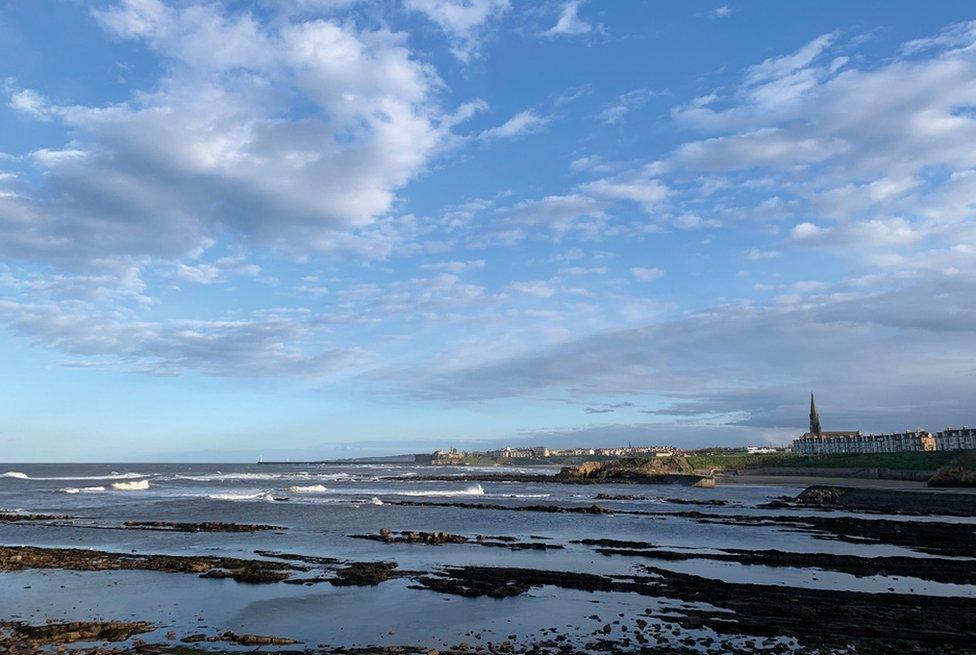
[
  {"x": 872, "y": 622},
  {"x": 950, "y": 571},
  {"x": 20, "y": 558},
  {"x": 637, "y": 470},
  {"x": 930, "y": 537},
  {"x": 14, "y": 517},
  {"x": 440, "y": 538},
  {"x": 878, "y": 501},
  {"x": 660, "y": 610}
]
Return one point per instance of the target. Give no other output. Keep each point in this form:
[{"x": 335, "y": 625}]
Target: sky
[{"x": 335, "y": 228}]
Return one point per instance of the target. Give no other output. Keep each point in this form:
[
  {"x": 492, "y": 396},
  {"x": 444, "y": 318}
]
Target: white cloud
[
  {"x": 691, "y": 221},
  {"x": 643, "y": 274},
  {"x": 807, "y": 231},
  {"x": 29, "y": 102},
  {"x": 537, "y": 288},
  {"x": 562, "y": 214},
  {"x": 874, "y": 358},
  {"x": 464, "y": 21},
  {"x": 768, "y": 146},
  {"x": 778, "y": 68},
  {"x": 636, "y": 187},
  {"x": 261, "y": 346},
  {"x": 454, "y": 267},
  {"x": 218, "y": 271},
  {"x": 591, "y": 164},
  {"x": 755, "y": 254},
  {"x": 624, "y": 104},
  {"x": 311, "y": 122},
  {"x": 569, "y": 23},
  {"x": 955, "y": 36},
  {"x": 524, "y": 122}
]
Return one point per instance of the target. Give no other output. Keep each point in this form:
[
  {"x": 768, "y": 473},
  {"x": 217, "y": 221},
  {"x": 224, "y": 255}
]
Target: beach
[{"x": 338, "y": 558}]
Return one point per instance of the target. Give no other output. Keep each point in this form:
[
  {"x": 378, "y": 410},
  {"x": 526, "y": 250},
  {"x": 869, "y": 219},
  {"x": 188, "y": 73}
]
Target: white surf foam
[
  {"x": 295, "y": 476},
  {"x": 473, "y": 490},
  {"x": 83, "y": 490},
  {"x": 255, "y": 495},
  {"x": 138, "y": 485},
  {"x": 375, "y": 501},
  {"x": 310, "y": 489},
  {"x": 113, "y": 476}
]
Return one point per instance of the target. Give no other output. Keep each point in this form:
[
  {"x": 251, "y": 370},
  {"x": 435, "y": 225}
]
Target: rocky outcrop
[
  {"x": 14, "y": 517},
  {"x": 960, "y": 472},
  {"x": 955, "y": 539},
  {"x": 243, "y": 640},
  {"x": 440, "y": 538},
  {"x": 646, "y": 470},
  {"x": 500, "y": 582},
  {"x": 364, "y": 574},
  {"x": 19, "y": 558},
  {"x": 64, "y": 633}
]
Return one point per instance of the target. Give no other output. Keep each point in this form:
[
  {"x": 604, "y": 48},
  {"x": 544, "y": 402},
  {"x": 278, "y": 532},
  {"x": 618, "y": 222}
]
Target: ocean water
[{"x": 321, "y": 505}]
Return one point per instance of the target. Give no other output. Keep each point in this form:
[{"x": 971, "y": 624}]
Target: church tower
[{"x": 814, "y": 418}]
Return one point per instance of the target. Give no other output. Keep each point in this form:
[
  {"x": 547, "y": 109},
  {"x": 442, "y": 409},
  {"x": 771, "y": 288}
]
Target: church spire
[{"x": 814, "y": 417}]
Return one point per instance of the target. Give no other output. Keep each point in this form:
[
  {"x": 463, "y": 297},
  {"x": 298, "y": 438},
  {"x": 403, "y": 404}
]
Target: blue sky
[{"x": 310, "y": 228}]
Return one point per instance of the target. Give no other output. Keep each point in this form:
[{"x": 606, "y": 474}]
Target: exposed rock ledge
[{"x": 647, "y": 470}]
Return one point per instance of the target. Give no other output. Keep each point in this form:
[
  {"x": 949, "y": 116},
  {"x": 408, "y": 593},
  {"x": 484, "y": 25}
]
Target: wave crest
[
  {"x": 137, "y": 485},
  {"x": 256, "y": 495},
  {"x": 473, "y": 490},
  {"x": 83, "y": 490},
  {"x": 310, "y": 489},
  {"x": 112, "y": 476}
]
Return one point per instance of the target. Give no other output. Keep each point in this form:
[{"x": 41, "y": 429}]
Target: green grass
[
  {"x": 743, "y": 460},
  {"x": 904, "y": 461}
]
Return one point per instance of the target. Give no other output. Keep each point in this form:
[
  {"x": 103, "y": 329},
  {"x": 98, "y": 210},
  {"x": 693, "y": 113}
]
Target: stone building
[{"x": 963, "y": 438}]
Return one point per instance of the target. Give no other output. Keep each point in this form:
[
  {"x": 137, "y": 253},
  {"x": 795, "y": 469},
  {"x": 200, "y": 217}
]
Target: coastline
[
  {"x": 801, "y": 481},
  {"x": 416, "y": 564}
]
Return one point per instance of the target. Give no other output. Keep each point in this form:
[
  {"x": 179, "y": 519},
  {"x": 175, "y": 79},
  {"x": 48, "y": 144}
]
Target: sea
[{"x": 319, "y": 506}]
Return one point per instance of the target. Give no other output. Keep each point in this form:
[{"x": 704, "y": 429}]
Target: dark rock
[{"x": 364, "y": 574}]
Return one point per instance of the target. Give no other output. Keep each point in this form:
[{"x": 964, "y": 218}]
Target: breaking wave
[
  {"x": 252, "y": 495},
  {"x": 138, "y": 485},
  {"x": 112, "y": 476},
  {"x": 473, "y": 490},
  {"x": 302, "y": 475},
  {"x": 310, "y": 489},
  {"x": 83, "y": 490}
]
